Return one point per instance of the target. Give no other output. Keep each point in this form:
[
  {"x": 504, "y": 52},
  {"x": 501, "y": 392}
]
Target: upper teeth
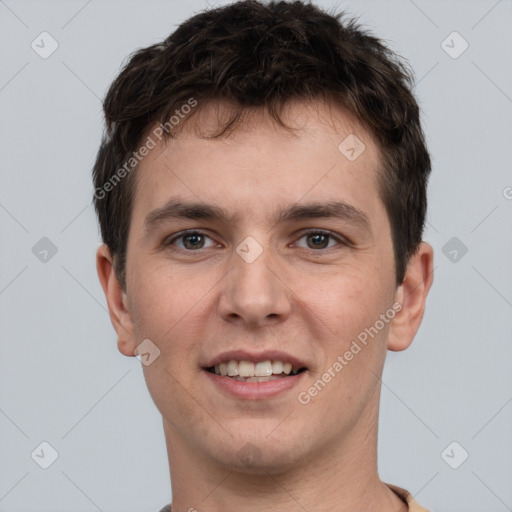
[{"x": 249, "y": 369}]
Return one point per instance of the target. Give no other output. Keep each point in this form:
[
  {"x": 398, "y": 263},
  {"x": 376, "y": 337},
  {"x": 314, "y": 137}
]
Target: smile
[{"x": 261, "y": 371}]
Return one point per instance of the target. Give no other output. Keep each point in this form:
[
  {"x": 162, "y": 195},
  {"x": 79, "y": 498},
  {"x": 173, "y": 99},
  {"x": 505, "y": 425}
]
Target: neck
[{"x": 341, "y": 476}]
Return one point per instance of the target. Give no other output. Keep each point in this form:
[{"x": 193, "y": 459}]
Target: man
[{"x": 261, "y": 192}]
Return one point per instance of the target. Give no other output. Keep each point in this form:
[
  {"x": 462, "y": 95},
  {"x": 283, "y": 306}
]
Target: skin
[{"x": 295, "y": 297}]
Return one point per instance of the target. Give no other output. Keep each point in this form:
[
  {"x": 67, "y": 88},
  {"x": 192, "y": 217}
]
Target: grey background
[{"x": 63, "y": 380}]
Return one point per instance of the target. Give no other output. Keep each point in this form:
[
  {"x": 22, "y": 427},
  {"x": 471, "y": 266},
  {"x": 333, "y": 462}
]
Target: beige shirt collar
[
  {"x": 407, "y": 497},
  {"x": 402, "y": 493}
]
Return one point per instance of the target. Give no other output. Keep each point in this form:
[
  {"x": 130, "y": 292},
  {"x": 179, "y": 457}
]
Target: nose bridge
[{"x": 253, "y": 289}]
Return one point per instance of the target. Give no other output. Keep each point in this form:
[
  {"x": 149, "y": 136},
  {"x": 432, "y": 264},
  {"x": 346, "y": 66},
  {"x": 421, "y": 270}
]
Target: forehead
[{"x": 260, "y": 164}]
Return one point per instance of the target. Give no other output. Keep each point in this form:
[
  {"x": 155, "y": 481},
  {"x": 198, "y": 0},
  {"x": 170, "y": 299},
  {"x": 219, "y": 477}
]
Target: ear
[
  {"x": 120, "y": 315},
  {"x": 412, "y": 294}
]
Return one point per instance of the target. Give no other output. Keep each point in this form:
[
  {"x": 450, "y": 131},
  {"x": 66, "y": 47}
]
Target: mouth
[
  {"x": 258, "y": 376},
  {"x": 259, "y": 371}
]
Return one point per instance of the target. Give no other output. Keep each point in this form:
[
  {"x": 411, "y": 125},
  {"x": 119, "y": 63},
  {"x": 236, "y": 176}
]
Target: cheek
[
  {"x": 164, "y": 300},
  {"x": 345, "y": 302},
  {"x": 169, "y": 310},
  {"x": 352, "y": 347}
]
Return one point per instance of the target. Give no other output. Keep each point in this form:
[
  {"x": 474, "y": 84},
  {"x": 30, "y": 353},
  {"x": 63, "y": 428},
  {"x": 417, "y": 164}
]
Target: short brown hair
[{"x": 262, "y": 55}]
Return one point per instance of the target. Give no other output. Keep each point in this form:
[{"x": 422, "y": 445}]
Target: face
[{"x": 275, "y": 280}]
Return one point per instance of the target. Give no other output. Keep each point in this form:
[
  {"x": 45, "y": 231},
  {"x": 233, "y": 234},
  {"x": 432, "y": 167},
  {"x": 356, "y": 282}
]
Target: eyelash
[{"x": 341, "y": 241}]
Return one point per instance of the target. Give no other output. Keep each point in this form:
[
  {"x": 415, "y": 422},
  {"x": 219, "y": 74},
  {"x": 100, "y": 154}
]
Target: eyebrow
[{"x": 177, "y": 209}]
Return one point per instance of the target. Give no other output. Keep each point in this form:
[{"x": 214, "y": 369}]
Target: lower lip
[{"x": 255, "y": 390}]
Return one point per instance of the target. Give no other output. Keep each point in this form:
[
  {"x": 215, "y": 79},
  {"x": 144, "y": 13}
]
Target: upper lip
[{"x": 255, "y": 357}]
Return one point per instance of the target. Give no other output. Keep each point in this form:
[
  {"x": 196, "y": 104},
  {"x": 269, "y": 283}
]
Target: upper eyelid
[{"x": 312, "y": 231}]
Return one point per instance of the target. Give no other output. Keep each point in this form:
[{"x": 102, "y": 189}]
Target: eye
[
  {"x": 192, "y": 240},
  {"x": 320, "y": 239}
]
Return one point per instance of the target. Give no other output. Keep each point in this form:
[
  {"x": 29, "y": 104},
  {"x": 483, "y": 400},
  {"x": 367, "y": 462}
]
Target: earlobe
[
  {"x": 120, "y": 315},
  {"x": 412, "y": 295}
]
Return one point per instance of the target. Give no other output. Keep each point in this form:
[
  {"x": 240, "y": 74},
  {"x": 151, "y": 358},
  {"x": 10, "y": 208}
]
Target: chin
[{"x": 260, "y": 455}]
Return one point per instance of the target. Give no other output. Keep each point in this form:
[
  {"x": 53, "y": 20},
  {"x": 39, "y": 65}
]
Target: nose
[{"x": 254, "y": 291}]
